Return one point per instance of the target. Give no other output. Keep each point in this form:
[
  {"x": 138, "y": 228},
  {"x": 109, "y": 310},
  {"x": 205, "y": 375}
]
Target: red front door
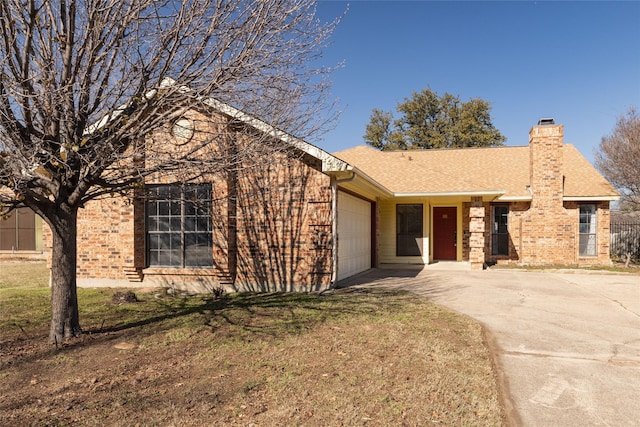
[{"x": 444, "y": 234}]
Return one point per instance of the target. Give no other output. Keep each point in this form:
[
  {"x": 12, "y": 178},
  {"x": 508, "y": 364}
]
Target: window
[
  {"x": 409, "y": 230},
  {"x": 179, "y": 226},
  {"x": 588, "y": 230},
  {"x": 18, "y": 232},
  {"x": 500, "y": 231}
]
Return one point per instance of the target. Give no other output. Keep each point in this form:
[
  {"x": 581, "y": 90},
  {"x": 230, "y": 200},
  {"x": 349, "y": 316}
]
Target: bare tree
[
  {"x": 619, "y": 159},
  {"x": 85, "y": 84}
]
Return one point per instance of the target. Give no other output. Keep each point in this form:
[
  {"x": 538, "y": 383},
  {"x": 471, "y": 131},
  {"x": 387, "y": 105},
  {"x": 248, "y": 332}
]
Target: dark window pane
[
  {"x": 151, "y": 208},
  {"x": 175, "y": 208},
  {"x": 8, "y": 240},
  {"x": 500, "y": 230},
  {"x": 500, "y": 244},
  {"x": 164, "y": 258},
  {"x": 204, "y": 240},
  {"x": 163, "y": 208},
  {"x": 163, "y": 223},
  {"x": 153, "y": 258},
  {"x": 189, "y": 208},
  {"x": 163, "y": 192},
  {"x": 190, "y": 224},
  {"x": 165, "y": 241},
  {"x": 18, "y": 231},
  {"x": 154, "y": 242},
  {"x": 190, "y": 240},
  {"x": 204, "y": 224},
  {"x": 9, "y": 223},
  {"x": 409, "y": 230},
  {"x": 175, "y": 240},
  {"x": 176, "y": 257},
  {"x": 198, "y": 256}
]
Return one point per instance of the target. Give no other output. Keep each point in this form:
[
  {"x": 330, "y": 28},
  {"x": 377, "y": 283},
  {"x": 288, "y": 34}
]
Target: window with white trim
[
  {"x": 588, "y": 230},
  {"x": 178, "y": 221}
]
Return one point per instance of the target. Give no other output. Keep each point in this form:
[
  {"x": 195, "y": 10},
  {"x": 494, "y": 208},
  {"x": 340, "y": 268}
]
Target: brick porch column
[{"x": 476, "y": 231}]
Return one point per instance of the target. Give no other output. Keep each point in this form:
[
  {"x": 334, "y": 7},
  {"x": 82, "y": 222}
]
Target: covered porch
[{"x": 434, "y": 230}]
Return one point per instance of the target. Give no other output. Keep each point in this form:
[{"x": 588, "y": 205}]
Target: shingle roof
[{"x": 471, "y": 170}]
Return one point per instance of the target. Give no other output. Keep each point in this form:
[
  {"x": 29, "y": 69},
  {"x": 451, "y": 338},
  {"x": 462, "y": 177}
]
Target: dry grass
[
  {"x": 346, "y": 358},
  {"x": 615, "y": 267}
]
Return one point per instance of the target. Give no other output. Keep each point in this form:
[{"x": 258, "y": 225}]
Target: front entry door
[{"x": 444, "y": 234}]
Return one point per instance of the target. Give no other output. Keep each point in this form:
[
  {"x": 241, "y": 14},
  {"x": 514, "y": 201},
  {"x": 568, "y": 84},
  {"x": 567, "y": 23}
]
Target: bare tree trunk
[{"x": 65, "y": 320}]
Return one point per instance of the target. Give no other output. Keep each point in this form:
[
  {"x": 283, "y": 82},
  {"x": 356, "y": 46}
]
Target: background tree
[
  {"x": 432, "y": 121},
  {"x": 83, "y": 85},
  {"x": 619, "y": 159}
]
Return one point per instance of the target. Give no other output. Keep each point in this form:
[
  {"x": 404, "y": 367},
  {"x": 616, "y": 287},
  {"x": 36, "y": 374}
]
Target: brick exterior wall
[
  {"x": 284, "y": 227},
  {"x": 106, "y": 230},
  {"x": 272, "y": 233},
  {"x": 271, "y": 221},
  {"x": 544, "y": 231}
]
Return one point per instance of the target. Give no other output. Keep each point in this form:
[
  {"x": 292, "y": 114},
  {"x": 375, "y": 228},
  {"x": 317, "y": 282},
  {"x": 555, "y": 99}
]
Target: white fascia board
[
  {"x": 514, "y": 199},
  {"x": 165, "y": 83},
  {"x": 452, "y": 193},
  {"x": 591, "y": 199},
  {"x": 370, "y": 181},
  {"x": 330, "y": 163}
]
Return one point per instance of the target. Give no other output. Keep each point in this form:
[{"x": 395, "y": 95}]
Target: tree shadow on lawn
[{"x": 252, "y": 315}]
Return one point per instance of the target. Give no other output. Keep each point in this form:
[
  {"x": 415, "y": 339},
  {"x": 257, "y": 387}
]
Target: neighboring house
[
  {"x": 306, "y": 219},
  {"x": 21, "y": 233}
]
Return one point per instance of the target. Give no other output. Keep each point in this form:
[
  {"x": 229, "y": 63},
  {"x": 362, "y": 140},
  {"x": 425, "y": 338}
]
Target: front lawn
[{"x": 348, "y": 357}]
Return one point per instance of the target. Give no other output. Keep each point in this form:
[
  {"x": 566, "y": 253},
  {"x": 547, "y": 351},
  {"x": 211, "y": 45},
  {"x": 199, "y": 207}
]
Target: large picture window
[
  {"x": 178, "y": 222},
  {"x": 588, "y": 230},
  {"x": 500, "y": 230},
  {"x": 409, "y": 230}
]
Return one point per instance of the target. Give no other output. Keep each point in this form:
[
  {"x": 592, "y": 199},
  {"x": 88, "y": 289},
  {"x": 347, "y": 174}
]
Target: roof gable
[{"x": 330, "y": 163}]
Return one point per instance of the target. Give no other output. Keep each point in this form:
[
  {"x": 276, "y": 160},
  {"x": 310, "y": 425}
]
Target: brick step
[
  {"x": 133, "y": 274},
  {"x": 224, "y": 278}
]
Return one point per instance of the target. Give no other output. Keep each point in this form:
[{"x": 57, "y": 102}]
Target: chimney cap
[{"x": 546, "y": 121}]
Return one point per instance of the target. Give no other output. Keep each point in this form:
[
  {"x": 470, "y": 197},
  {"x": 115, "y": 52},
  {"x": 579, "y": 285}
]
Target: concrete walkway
[{"x": 567, "y": 344}]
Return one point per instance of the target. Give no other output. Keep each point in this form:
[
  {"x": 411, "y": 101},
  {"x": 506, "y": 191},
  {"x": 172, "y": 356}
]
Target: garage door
[{"x": 354, "y": 235}]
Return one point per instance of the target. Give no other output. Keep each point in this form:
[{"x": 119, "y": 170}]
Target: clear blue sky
[{"x": 578, "y": 62}]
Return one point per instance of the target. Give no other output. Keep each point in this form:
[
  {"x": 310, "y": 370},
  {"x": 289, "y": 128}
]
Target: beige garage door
[{"x": 354, "y": 235}]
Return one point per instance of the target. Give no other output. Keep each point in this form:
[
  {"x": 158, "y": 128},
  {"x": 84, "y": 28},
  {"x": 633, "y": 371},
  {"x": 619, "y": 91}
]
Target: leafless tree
[
  {"x": 85, "y": 83},
  {"x": 619, "y": 159}
]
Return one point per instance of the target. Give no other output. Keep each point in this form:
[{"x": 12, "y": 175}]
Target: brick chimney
[
  {"x": 545, "y": 165},
  {"x": 547, "y": 231}
]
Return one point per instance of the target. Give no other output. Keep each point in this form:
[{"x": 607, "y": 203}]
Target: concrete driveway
[{"x": 567, "y": 344}]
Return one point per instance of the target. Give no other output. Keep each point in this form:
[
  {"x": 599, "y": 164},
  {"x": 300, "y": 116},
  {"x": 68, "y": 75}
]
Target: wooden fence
[{"x": 625, "y": 239}]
